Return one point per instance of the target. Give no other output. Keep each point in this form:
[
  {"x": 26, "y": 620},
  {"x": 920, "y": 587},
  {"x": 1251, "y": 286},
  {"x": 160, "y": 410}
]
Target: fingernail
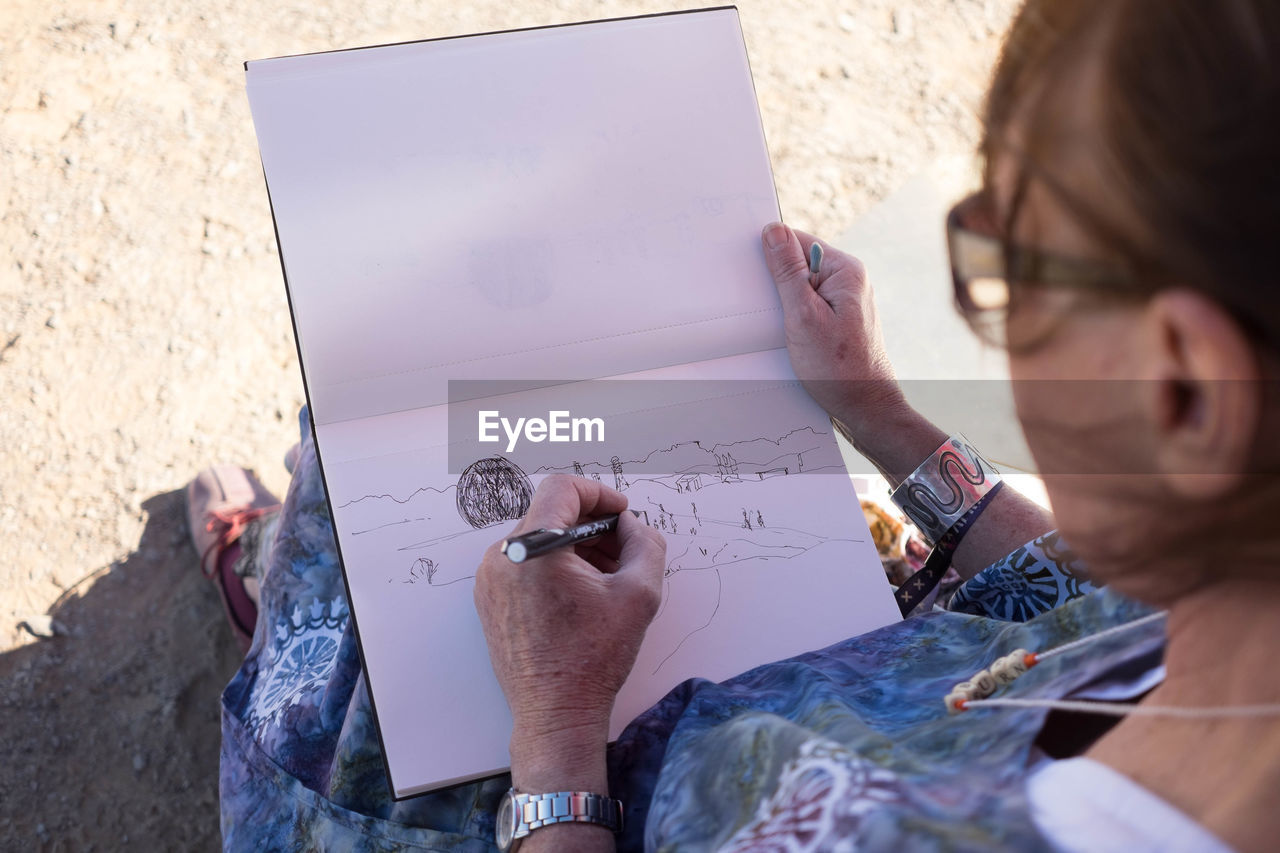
[{"x": 775, "y": 235}]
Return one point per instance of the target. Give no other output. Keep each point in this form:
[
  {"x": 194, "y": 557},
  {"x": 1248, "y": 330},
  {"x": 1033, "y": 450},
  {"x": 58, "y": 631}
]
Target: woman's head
[
  {"x": 1155, "y": 123},
  {"x": 1141, "y": 136}
]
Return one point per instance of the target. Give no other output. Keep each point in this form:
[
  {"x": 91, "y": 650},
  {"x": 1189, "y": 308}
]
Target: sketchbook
[{"x": 559, "y": 206}]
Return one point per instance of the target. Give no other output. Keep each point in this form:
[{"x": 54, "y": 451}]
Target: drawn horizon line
[{"x": 776, "y": 441}]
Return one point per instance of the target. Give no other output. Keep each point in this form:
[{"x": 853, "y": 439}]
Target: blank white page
[{"x": 567, "y": 202}]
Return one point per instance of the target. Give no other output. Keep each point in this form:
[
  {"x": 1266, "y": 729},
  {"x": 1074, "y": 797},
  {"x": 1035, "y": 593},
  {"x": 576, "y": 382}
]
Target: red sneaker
[{"x": 221, "y": 501}]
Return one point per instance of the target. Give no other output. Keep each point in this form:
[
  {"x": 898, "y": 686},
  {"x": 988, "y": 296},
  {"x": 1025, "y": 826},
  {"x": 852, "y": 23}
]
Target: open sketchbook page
[
  {"x": 567, "y": 202},
  {"x": 768, "y": 553}
]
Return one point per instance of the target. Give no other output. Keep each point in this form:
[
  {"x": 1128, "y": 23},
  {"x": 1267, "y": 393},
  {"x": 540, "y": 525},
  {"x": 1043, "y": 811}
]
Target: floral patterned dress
[{"x": 846, "y": 748}]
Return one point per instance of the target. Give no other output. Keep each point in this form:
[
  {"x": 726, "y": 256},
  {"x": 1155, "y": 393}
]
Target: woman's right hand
[{"x": 832, "y": 331}]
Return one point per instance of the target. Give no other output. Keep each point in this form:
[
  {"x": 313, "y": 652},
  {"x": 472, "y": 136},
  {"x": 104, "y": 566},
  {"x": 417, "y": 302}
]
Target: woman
[{"x": 1129, "y": 192}]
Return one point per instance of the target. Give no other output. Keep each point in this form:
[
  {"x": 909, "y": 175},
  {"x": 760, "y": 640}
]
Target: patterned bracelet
[
  {"x": 916, "y": 588},
  {"x": 945, "y": 487}
]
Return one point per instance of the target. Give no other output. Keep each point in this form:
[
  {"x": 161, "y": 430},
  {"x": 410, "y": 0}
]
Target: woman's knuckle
[
  {"x": 557, "y": 481},
  {"x": 793, "y": 268},
  {"x": 650, "y": 601},
  {"x": 858, "y": 269},
  {"x": 660, "y": 543}
]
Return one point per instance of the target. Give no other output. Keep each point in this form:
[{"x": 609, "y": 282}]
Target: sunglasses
[{"x": 988, "y": 272}]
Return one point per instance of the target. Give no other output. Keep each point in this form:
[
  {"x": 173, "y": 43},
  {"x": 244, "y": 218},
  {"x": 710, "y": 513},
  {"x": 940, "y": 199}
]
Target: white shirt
[{"x": 1083, "y": 806}]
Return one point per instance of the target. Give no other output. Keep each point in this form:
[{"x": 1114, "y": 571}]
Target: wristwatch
[{"x": 519, "y": 814}]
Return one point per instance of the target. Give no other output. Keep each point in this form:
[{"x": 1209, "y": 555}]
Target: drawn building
[{"x": 689, "y": 483}]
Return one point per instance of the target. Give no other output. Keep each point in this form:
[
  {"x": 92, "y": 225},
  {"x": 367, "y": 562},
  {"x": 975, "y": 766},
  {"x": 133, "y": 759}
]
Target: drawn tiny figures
[
  {"x": 619, "y": 482},
  {"x": 746, "y": 519},
  {"x": 759, "y": 518}
]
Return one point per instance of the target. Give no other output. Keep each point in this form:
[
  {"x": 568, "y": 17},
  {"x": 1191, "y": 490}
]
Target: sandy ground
[{"x": 144, "y": 334}]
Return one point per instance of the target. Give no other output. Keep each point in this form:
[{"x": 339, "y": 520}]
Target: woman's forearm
[
  {"x": 562, "y": 759},
  {"x": 900, "y": 438}
]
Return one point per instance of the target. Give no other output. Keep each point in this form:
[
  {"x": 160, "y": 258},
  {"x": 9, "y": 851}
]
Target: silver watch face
[{"x": 507, "y": 813}]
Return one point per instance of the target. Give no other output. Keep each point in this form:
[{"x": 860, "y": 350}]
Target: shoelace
[{"x": 228, "y": 524}]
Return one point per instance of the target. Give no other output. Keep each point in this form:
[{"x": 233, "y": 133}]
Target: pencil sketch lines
[
  {"x": 388, "y": 524},
  {"x": 424, "y": 570},
  {"x": 725, "y": 505},
  {"x": 427, "y": 543},
  {"x": 405, "y": 500},
  {"x": 739, "y": 551},
  {"x": 491, "y": 491},
  {"x": 702, "y": 627},
  {"x": 720, "y": 460}
]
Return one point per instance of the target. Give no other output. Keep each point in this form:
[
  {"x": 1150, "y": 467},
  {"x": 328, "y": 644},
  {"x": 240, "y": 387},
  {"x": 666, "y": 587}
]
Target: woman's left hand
[{"x": 564, "y": 629}]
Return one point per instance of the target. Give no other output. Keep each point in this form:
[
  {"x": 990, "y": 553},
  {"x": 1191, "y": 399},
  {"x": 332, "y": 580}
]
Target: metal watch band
[
  {"x": 539, "y": 810},
  {"x": 945, "y": 487}
]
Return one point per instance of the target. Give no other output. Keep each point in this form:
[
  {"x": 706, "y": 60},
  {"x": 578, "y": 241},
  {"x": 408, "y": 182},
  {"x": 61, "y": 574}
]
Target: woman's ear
[{"x": 1207, "y": 395}]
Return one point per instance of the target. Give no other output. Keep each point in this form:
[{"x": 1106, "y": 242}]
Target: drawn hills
[{"x": 681, "y": 467}]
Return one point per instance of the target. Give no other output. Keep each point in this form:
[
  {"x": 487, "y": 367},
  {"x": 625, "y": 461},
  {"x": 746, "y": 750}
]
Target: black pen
[{"x": 526, "y": 546}]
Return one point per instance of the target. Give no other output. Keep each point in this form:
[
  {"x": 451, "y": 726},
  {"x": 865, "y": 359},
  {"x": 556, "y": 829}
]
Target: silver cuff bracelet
[{"x": 945, "y": 487}]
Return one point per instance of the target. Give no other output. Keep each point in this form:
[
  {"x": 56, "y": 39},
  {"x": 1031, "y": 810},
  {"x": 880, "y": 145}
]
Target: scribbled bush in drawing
[
  {"x": 493, "y": 490},
  {"x": 423, "y": 569}
]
